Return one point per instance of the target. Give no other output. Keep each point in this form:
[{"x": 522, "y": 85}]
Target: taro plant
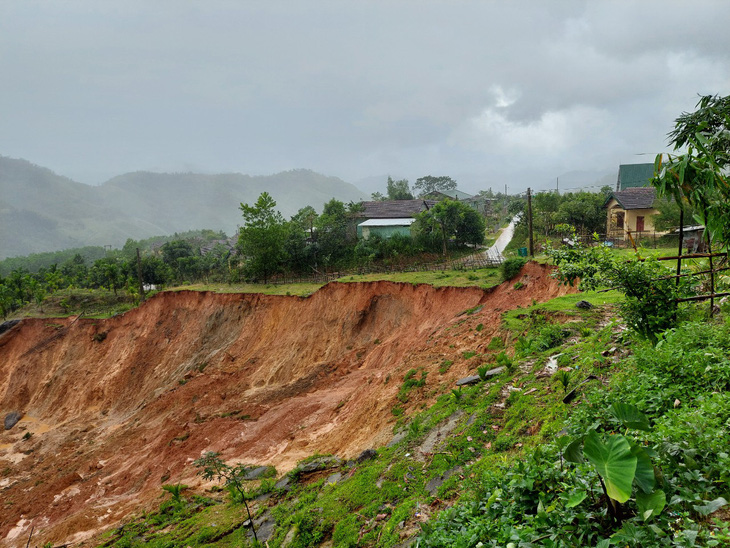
[{"x": 621, "y": 464}]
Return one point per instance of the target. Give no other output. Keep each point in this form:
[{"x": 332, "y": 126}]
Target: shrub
[{"x": 511, "y": 267}]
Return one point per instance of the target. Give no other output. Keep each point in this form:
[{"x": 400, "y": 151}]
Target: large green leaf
[
  {"x": 711, "y": 506},
  {"x": 630, "y": 416},
  {"x": 644, "y": 476},
  {"x": 573, "y": 452},
  {"x": 614, "y": 462},
  {"x": 650, "y": 504},
  {"x": 576, "y": 498}
]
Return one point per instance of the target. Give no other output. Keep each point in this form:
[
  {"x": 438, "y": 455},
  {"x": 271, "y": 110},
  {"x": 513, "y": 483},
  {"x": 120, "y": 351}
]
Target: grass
[
  {"x": 482, "y": 277},
  {"x": 379, "y": 501}
]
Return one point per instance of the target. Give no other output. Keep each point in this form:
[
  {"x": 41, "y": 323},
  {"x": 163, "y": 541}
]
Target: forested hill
[{"x": 42, "y": 211}]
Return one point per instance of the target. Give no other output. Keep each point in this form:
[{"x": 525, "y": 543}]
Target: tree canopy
[
  {"x": 698, "y": 177},
  {"x": 261, "y": 238},
  {"x": 452, "y": 220},
  {"x": 426, "y": 185}
]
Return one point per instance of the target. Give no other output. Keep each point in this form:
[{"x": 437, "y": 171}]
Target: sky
[{"x": 490, "y": 93}]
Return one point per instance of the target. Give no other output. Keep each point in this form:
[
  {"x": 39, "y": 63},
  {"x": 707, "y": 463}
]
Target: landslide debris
[{"x": 118, "y": 407}]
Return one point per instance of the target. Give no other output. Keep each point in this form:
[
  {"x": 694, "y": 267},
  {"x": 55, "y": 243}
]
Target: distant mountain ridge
[{"x": 42, "y": 211}]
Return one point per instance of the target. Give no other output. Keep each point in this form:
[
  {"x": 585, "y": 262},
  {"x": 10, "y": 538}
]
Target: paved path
[{"x": 495, "y": 252}]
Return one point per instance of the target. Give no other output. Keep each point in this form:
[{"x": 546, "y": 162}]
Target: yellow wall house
[{"x": 630, "y": 210}]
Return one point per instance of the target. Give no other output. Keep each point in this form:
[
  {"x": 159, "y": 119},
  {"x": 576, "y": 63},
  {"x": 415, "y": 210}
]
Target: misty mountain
[{"x": 43, "y": 211}]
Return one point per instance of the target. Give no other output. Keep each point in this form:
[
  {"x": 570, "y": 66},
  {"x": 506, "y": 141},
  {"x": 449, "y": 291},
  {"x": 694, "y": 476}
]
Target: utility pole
[
  {"x": 529, "y": 221},
  {"x": 139, "y": 277},
  {"x": 505, "y": 189},
  {"x": 557, "y": 185}
]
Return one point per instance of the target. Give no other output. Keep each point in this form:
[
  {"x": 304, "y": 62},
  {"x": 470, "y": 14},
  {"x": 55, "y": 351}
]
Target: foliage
[
  {"x": 650, "y": 306},
  {"x": 428, "y": 184},
  {"x": 212, "y": 467},
  {"x": 698, "y": 177},
  {"x": 398, "y": 190},
  {"x": 261, "y": 238},
  {"x": 511, "y": 267},
  {"x": 450, "y": 220}
]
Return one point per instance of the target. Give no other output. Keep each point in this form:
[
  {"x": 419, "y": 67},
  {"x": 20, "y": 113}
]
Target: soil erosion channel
[{"x": 118, "y": 407}]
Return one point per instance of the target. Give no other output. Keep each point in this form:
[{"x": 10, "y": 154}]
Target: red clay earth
[{"x": 118, "y": 407}]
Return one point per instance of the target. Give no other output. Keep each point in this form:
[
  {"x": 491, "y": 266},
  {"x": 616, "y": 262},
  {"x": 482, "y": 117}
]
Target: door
[{"x": 639, "y": 223}]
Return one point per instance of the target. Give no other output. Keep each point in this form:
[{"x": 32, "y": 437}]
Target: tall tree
[
  {"x": 261, "y": 238},
  {"x": 399, "y": 190},
  {"x": 429, "y": 183},
  {"x": 453, "y": 220}
]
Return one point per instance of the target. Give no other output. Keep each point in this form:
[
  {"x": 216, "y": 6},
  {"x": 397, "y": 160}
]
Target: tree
[
  {"x": 669, "y": 213},
  {"x": 261, "y": 239},
  {"x": 399, "y": 190},
  {"x": 429, "y": 183},
  {"x": 699, "y": 176},
  {"x": 212, "y": 467},
  {"x": 583, "y": 210},
  {"x": 454, "y": 220}
]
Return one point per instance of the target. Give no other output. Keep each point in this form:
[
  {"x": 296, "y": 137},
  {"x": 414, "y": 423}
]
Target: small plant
[
  {"x": 495, "y": 344},
  {"x": 479, "y": 327},
  {"x": 518, "y": 285},
  {"x": 27, "y": 435},
  {"x": 445, "y": 365},
  {"x": 410, "y": 382},
  {"x": 175, "y": 491},
  {"x": 482, "y": 372},
  {"x": 457, "y": 394},
  {"x": 564, "y": 378},
  {"x": 212, "y": 467},
  {"x": 621, "y": 464},
  {"x": 505, "y": 361},
  {"x": 468, "y": 354}
]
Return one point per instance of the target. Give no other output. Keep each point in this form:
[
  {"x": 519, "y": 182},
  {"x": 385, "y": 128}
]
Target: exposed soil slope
[{"x": 118, "y": 407}]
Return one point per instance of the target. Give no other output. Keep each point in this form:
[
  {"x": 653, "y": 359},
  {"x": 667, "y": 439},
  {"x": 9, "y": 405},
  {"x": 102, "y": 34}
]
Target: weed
[
  {"x": 444, "y": 366},
  {"x": 479, "y": 327},
  {"x": 410, "y": 382},
  {"x": 468, "y": 354},
  {"x": 495, "y": 344},
  {"x": 564, "y": 377},
  {"x": 518, "y": 285}
]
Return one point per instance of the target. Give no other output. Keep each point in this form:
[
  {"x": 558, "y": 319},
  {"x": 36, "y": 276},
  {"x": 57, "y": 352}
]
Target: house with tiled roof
[
  {"x": 389, "y": 217},
  {"x": 631, "y": 210}
]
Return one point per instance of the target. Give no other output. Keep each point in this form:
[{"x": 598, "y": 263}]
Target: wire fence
[{"x": 473, "y": 261}]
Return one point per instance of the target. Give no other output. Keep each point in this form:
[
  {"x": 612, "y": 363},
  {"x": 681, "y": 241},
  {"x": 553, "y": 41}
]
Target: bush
[{"x": 511, "y": 267}]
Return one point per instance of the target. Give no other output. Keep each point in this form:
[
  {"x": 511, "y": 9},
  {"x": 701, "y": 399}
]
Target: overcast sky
[{"x": 491, "y": 93}]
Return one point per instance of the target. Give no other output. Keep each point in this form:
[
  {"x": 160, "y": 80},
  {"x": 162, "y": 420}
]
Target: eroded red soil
[{"x": 118, "y": 407}]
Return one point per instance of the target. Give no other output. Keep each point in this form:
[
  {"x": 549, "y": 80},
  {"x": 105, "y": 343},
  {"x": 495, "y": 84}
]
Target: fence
[{"x": 470, "y": 262}]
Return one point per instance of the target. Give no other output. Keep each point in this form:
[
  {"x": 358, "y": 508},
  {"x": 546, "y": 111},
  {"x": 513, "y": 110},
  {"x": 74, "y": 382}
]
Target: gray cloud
[{"x": 512, "y": 92}]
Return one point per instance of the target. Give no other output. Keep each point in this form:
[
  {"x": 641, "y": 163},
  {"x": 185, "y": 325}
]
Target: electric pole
[
  {"x": 139, "y": 277},
  {"x": 529, "y": 221}
]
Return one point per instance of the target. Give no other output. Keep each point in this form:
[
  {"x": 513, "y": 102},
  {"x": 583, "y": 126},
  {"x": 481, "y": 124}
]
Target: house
[
  {"x": 389, "y": 217},
  {"x": 631, "y": 210}
]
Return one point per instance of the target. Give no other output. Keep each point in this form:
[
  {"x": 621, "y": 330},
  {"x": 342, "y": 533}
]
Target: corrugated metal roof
[
  {"x": 634, "y": 175},
  {"x": 388, "y": 222}
]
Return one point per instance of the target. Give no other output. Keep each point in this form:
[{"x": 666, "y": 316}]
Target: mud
[{"x": 119, "y": 407}]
